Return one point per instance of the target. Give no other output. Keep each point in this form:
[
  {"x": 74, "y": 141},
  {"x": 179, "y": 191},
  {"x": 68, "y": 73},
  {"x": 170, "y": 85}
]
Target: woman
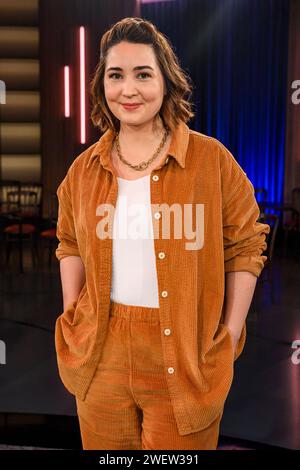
[{"x": 149, "y": 335}]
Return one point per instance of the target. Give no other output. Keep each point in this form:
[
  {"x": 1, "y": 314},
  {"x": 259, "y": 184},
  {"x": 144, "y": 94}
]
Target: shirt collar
[{"x": 178, "y": 145}]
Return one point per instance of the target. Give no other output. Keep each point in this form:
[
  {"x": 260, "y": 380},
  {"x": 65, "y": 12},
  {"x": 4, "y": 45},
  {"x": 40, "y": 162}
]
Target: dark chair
[
  {"x": 36, "y": 210},
  {"x": 49, "y": 234},
  {"x": 267, "y": 274},
  {"x": 292, "y": 225},
  {"x": 261, "y": 200},
  {"x": 7, "y": 186},
  {"x": 21, "y": 204}
]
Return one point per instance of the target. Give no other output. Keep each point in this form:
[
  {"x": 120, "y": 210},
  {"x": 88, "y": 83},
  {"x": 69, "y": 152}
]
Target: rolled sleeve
[
  {"x": 244, "y": 238},
  {"x": 65, "y": 229}
]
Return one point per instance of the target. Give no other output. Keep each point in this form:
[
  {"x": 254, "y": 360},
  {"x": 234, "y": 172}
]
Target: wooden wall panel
[
  {"x": 23, "y": 12},
  {"x": 21, "y": 106},
  {"x": 19, "y": 69},
  {"x": 20, "y": 73},
  {"x": 24, "y": 168},
  {"x": 19, "y": 41},
  {"x": 20, "y": 137}
]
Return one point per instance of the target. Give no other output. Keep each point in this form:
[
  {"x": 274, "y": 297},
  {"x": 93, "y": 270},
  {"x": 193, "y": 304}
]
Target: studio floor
[{"x": 261, "y": 411}]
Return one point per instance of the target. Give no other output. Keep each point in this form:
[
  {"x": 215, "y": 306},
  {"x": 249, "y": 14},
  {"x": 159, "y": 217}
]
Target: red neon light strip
[
  {"x": 67, "y": 90},
  {"x": 82, "y": 86}
]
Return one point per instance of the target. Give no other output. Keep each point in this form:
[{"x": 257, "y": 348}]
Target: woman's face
[{"x": 132, "y": 75}]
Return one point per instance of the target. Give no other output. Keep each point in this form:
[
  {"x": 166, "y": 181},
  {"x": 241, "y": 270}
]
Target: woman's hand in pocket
[{"x": 234, "y": 339}]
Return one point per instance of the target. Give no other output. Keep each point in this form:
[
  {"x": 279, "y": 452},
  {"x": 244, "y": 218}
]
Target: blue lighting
[{"x": 236, "y": 53}]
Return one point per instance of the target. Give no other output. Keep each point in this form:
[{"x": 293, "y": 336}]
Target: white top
[{"x": 134, "y": 276}]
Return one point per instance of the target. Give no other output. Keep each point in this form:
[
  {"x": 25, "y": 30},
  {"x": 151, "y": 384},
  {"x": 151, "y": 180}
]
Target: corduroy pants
[{"x": 127, "y": 405}]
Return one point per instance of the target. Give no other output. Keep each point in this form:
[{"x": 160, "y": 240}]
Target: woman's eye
[
  {"x": 113, "y": 74},
  {"x": 145, "y": 73},
  {"x": 142, "y": 73}
]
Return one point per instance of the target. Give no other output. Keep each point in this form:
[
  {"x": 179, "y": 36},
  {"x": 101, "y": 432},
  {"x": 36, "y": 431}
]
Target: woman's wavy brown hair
[{"x": 175, "y": 106}]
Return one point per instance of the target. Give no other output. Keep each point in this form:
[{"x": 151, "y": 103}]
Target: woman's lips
[{"x": 130, "y": 107}]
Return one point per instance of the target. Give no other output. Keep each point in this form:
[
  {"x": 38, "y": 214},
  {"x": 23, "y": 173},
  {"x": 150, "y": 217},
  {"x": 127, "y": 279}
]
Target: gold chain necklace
[{"x": 143, "y": 165}]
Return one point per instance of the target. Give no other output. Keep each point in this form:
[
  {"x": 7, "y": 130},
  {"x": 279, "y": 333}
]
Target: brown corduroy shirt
[{"x": 197, "y": 345}]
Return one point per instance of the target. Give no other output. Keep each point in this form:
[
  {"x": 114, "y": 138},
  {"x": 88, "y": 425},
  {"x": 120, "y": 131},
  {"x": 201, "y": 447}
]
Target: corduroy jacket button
[
  {"x": 157, "y": 215},
  {"x": 155, "y": 177},
  {"x": 170, "y": 370},
  {"x": 164, "y": 293},
  {"x": 167, "y": 331},
  {"x": 161, "y": 255}
]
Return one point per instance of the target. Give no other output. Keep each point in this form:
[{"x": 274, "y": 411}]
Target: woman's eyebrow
[{"x": 139, "y": 67}]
